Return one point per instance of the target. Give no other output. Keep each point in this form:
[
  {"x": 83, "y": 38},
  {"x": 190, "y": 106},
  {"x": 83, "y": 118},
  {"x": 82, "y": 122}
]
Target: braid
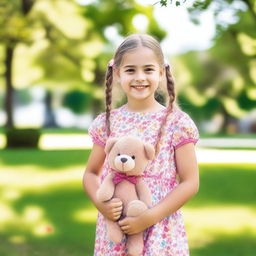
[
  {"x": 171, "y": 93},
  {"x": 108, "y": 93},
  {"x": 170, "y": 85}
]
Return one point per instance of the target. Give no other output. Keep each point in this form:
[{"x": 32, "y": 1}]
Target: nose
[
  {"x": 140, "y": 77},
  {"x": 123, "y": 160}
]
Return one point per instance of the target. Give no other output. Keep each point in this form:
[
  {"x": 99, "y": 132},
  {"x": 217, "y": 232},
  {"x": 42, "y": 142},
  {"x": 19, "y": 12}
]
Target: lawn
[{"x": 44, "y": 211}]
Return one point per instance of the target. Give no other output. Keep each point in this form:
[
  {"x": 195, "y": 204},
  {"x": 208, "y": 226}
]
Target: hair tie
[
  {"x": 166, "y": 64},
  {"x": 111, "y": 63}
]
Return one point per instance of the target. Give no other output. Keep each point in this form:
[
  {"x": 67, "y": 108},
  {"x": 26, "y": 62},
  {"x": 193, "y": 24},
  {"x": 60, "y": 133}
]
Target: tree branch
[{"x": 251, "y": 9}]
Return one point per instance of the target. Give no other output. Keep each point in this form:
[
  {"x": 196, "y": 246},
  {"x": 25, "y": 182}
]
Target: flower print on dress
[{"x": 168, "y": 237}]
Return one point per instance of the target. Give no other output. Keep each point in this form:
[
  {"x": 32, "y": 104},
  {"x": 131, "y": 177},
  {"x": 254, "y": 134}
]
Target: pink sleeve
[
  {"x": 185, "y": 132},
  {"x": 97, "y": 130}
]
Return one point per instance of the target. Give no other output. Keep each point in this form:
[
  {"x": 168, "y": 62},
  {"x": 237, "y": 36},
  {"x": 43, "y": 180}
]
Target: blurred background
[{"x": 53, "y": 58}]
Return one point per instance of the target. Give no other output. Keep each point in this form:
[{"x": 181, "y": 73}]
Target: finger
[
  {"x": 116, "y": 200},
  {"x": 125, "y": 228},
  {"x": 117, "y": 215},
  {"x": 121, "y": 223},
  {"x": 117, "y": 212},
  {"x": 118, "y": 209},
  {"x": 117, "y": 204},
  {"x": 116, "y": 218}
]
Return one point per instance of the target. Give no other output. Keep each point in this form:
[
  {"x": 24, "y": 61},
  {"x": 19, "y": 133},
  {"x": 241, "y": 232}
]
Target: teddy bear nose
[{"x": 123, "y": 160}]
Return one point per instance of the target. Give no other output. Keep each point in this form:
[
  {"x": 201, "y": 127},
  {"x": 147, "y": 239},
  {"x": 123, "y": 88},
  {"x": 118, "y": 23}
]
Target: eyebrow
[{"x": 131, "y": 66}]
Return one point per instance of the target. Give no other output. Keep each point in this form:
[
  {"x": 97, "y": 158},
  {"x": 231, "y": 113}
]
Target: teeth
[{"x": 140, "y": 87}]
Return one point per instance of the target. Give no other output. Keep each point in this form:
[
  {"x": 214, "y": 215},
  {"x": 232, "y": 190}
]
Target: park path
[
  {"x": 208, "y": 150},
  {"x": 223, "y": 150},
  {"x": 211, "y": 150}
]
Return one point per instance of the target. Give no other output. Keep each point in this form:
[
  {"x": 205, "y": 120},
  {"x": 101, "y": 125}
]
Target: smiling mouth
[{"x": 139, "y": 86}]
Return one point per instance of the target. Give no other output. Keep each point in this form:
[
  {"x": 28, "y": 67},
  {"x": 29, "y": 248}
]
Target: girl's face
[{"x": 139, "y": 73}]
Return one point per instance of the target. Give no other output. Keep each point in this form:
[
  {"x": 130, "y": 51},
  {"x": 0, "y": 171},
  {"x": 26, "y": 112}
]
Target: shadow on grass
[
  {"x": 226, "y": 184},
  {"x": 49, "y": 159},
  {"x": 242, "y": 244},
  {"x": 69, "y": 237}
]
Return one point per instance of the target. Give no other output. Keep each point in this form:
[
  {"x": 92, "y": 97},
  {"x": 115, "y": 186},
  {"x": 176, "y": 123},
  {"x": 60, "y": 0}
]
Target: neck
[{"x": 143, "y": 106}]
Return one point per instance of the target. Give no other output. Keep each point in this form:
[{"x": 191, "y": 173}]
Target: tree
[
  {"x": 222, "y": 78},
  {"x": 9, "y": 38},
  {"x": 67, "y": 58}
]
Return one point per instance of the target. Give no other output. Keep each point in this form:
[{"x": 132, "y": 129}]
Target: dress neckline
[{"x": 125, "y": 109}]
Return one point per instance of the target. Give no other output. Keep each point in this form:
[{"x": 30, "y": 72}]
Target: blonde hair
[{"x": 130, "y": 43}]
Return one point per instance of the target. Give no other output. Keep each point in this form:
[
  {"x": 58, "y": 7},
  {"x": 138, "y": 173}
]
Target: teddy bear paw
[{"x": 135, "y": 208}]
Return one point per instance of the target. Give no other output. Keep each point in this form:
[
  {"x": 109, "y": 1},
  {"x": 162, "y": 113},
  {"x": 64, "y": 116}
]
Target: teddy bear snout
[
  {"x": 124, "y": 163},
  {"x": 123, "y": 160}
]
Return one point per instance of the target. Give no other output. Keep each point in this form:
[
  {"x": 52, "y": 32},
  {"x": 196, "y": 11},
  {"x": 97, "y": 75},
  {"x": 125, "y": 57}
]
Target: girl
[{"x": 138, "y": 66}]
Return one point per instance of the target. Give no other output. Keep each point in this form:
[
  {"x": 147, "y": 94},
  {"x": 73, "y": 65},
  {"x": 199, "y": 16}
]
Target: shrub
[{"x": 22, "y": 138}]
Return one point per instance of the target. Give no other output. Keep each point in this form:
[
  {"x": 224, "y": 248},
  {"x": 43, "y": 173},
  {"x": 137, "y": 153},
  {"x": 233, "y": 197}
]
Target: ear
[
  {"x": 149, "y": 151},
  {"x": 109, "y": 145}
]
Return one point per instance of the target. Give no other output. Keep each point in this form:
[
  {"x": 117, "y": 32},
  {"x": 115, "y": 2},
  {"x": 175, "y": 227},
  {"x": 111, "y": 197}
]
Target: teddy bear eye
[{"x": 133, "y": 157}]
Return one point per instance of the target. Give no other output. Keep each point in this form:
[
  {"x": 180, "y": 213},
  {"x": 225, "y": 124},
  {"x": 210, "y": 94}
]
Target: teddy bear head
[{"x": 129, "y": 154}]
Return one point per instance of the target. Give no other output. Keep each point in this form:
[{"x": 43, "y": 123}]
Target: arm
[
  {"x": 189, "y": 184},
  {"x": 91, "y": 182},
  {"x": 106, "y": 189}
]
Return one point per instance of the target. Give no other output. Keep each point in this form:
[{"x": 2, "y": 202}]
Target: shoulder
[{"x": 183, "y": 128}]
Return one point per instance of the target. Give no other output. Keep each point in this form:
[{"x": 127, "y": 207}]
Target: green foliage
[
  {"x": 202, "y": 112},
  {"x": 22, "y": 138},
  {"x": 77, "y": 101},
  {"x": 165, "y": 2},
  {"x": 222, "y": 77},
  {"x": 12, "y": 15},
  {"x": 245, "y": 102}
]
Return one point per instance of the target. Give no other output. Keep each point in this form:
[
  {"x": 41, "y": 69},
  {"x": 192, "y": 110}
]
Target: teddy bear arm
[
  {"x": 143, "y": 192},
  {"x": 106, "y": 189}
]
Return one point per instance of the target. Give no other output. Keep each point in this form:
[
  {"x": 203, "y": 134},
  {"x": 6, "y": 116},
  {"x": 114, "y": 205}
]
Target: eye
[
  {"x": 133, "y": 157},
  {"x": 149, "y": 70},
  {"x": 130, "y": 70},
  {"x": 118, "y": 154}
]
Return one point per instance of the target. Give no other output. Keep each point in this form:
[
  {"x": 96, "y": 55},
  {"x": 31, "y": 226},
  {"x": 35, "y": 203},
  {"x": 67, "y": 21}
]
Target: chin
[{"x": 142, "y": 96}]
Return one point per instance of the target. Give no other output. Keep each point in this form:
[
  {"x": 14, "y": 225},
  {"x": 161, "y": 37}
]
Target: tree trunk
[
  {"x": 49, "y": 120},
  {"x": 9, "y": 86}
]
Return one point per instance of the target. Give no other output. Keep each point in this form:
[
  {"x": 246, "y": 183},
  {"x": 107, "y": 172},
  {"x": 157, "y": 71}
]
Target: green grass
[
  {"x": 46, "y": 159},
  {"x": 83, "y": 131},
  {"x": 56, "y": 130},
  {"x": 229, "y": 148},
  {"x": 229, "y": 136},
  {"x": 226, "y": 184},
  {"x": 44, "y": 211}
]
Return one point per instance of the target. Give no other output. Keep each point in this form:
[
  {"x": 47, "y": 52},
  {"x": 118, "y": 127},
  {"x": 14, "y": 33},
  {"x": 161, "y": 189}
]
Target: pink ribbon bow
[{"x": 122, "y": 176}]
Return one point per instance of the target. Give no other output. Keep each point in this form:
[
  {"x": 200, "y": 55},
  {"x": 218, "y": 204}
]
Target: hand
[
  {"x": 134, "y": 225},
  {"x": 111, "y": 209}
]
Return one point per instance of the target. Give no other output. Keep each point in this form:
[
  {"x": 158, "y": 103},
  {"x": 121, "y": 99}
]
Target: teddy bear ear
[
  {"x": 109, "y": 144},
  {"x": 149, "y": 151}
]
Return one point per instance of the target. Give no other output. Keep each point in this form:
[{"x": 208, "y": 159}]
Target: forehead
[{"x": 140, "y": 56}]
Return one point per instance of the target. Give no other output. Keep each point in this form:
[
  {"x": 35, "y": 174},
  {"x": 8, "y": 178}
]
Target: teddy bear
[{"x": 127, "y": 157}]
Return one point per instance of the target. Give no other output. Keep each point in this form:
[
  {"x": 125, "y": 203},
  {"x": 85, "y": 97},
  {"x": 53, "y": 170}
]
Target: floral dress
[{"x": 168, "y": 237}]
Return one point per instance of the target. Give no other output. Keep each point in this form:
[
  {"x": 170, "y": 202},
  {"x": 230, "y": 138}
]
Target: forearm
[
  {"x": 111, "y": 209},
  {"x": 171, "y": 203},
  {"x": 91, "y": 184}
]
